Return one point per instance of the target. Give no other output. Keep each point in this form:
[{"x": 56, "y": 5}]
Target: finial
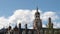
[
  {"x": 37, "y": 8},
  {"x": 15, "y": 25}
]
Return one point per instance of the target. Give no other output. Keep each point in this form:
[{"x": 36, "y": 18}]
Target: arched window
[
  {"x": 29, "y": 32},
  {"x": 23, "y": 32}
]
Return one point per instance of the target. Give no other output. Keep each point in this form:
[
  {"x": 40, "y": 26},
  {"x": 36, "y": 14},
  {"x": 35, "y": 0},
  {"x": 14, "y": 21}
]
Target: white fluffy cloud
[
  {"x": 48, "y": 14},
  {"x": 3, "y": 22},
  {"x": 26, "y": 16}
]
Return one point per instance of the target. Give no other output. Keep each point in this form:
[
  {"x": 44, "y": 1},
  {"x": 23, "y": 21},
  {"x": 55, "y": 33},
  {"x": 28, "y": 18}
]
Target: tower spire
[
  {"x": 37, "y": 21},
  {"x": 37, "y": 8}
]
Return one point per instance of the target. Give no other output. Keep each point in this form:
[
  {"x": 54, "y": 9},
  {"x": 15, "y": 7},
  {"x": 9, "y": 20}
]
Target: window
[{"x": 37, "y": 16}]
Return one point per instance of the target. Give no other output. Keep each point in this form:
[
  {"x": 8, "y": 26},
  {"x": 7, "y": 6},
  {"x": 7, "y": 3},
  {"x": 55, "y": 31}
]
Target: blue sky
[
  {"x": 7, "y": 7},
  {"x": 10, "y": 9}
]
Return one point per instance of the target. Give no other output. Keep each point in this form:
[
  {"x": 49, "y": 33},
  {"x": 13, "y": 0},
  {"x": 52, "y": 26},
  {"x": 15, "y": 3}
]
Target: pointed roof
[
  {"x": 37, "y": 9},
  {"x": 37, "y": 12},
  {"x": 16, "y": 26}
]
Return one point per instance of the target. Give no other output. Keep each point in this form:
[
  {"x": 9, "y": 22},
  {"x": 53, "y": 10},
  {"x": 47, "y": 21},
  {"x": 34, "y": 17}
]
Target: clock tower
[{"x": 37, "y": 21}]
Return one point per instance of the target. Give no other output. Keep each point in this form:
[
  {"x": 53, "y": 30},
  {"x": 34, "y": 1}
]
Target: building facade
[{"x": 37, "y": 27}]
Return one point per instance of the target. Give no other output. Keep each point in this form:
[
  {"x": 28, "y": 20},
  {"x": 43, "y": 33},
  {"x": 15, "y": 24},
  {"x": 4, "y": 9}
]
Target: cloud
[
  {"x": 23, "y": 16},
  {"x": 3, "y": 22},
  {"x": 48, "y": 14},
  {"x": 56, "y": 25},
  {"x": 26, "y": 16}
]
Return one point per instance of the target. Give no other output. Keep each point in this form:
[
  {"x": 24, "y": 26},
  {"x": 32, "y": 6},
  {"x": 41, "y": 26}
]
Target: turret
[
  {"x": 20, "y": 26},
  {"x": 26, "y": 28},
  {"x": 9, "y": 28},
  {"x": 16, "y": 30},
  {"x": 49, "y": 20},
  {"x": 50, "y": 24}
]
